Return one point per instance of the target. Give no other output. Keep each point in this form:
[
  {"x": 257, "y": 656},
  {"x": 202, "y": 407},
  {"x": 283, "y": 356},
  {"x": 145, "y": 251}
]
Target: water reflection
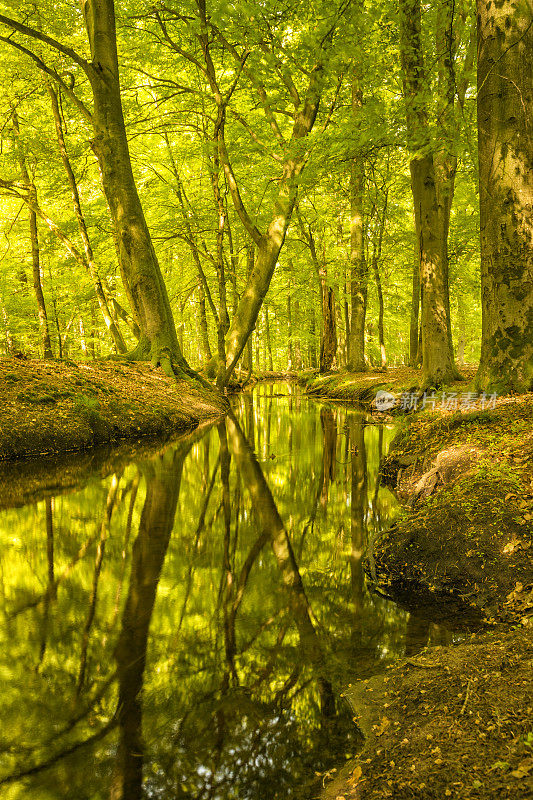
[{"x": 185, "y": 628}]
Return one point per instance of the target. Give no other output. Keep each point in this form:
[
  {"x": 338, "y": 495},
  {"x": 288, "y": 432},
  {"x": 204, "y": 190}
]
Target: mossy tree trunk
[
  {"x": 505, "y": 138},
  {"x": 138, "y": 261},
  {"x": 109, "y": 321},
  {"x": 437, "y": 359}
]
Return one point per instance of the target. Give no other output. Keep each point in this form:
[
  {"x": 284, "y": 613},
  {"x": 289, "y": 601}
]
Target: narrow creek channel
[{"x": 185, "y": 627}]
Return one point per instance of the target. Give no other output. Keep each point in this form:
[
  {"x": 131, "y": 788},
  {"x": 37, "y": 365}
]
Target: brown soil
[
  {"x": 466, "y": 537},
  {"x": 58, "y": 407},
  {"x": 452, "y": 722},
  {"x": 455, "y": 721}
]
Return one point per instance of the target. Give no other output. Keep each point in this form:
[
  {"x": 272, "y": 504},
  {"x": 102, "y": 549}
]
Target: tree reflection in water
[{"x": 205, "y": 656}]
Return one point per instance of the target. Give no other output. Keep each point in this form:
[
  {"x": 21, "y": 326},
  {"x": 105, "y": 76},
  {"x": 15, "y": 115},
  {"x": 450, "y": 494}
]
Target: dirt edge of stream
[{"x": 455, "y": 721}]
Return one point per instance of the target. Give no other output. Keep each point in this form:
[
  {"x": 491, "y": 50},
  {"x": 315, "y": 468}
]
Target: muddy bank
[
  {"x": 465, "y": 539},
  {"x": 455, "y": 721},
  {"x": 25, "y": 481},
  {"x": 59, "y": 407},
  {"x": 450, "y": 722}
]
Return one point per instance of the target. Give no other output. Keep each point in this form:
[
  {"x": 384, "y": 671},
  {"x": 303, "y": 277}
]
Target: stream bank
[
  {"x": 361, "y": 387},
  {"x": 53, "y": 407},
  {"x": 455, "y": 721}
]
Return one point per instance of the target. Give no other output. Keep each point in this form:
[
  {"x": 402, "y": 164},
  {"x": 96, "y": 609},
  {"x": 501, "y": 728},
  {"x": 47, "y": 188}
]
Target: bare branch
[{"x": 260, "y": 89}]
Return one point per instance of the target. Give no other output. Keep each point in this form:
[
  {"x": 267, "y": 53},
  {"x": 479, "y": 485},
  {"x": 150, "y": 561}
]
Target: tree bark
[
  {"x": 415, "y": 309},
  {"x": 437, "y": 362},
  {"x": 109, "y": 322},
  {"x": 138, "y": 262},
  {"x": 505, "y": 136},
  {"x": 358, "y": 265}
]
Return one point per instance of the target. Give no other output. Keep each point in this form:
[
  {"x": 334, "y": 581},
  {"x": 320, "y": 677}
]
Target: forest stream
[{"x": 186, "y": 626}]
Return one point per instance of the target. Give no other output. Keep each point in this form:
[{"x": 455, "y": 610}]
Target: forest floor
[
  {"x": 450, "y": 722},
  {"x": 50, "y": 407},
  {"x": 458, "y": 721}
]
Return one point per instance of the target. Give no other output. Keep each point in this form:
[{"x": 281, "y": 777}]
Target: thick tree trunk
[
  {"x": 109, "y": 322},
  {"x": 138, "y": 262},
  {"x": 437, "y": 361},
  {"x": 505, "y": 138},
  {"x": 437, "y": 365},
  {"x": 269, "y": 244}
]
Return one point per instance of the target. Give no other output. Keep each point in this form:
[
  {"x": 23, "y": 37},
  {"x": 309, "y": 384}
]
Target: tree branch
[
  {"x": 52, "y": 74},
  {"x": 42, "y": 37}
]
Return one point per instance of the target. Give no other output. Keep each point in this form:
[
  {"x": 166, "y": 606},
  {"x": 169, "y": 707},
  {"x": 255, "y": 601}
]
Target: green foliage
[{"x": 170, "y": 114}]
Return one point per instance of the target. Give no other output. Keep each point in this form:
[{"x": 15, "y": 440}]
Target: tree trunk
[
  {"x": 415, "y": 310},
  {"x": 268, "y": 244},
  {"x": 249, "y": 344},
  {"x": 297, "y": 341},
  {"x": 437, "y": 362},
  {"x": 358, "y": 266},
  {"x": 202, "y": 322},
  {"x": 381, "y": 312},
  {"x": 290, "y": 357},
  {"x": 109, "y": 322},
  {"x": 312, "y": 340},
  {"x": 34, "y": 239},
  {"x": 328, "y": 344},
  {"x": 268, "y": 340},
  {"x": 505, "y": 135},
  {"x": 138, "y": 262},
  {"x": 451, "y": 88},
  {"x": 376, "y": 258}
]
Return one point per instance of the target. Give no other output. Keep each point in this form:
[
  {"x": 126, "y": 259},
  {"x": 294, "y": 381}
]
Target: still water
[{"x": 185, "y": 627}]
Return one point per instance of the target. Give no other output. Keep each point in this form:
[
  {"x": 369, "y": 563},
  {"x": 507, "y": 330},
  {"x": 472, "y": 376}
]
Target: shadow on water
[{"x": 185, "y": 627}]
